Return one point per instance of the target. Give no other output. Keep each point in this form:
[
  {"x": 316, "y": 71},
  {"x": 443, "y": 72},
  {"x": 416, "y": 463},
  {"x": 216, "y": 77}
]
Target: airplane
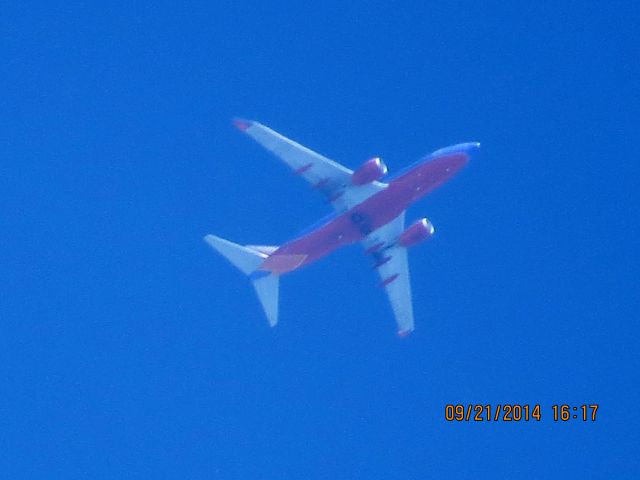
[{"x": 366, "y": 210}]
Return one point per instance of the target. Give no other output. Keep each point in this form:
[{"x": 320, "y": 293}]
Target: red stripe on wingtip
[{"x": 241, "y": 124}]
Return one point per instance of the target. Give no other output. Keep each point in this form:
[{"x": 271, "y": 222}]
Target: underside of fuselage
[{"x": 357, "y": 223}]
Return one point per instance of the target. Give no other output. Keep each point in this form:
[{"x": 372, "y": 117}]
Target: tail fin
[{"x": 247, "y": 260}]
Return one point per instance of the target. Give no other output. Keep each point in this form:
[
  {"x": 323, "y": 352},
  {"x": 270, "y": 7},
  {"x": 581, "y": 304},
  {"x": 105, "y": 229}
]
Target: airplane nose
[
  {"x": 456, "y": 156},
  {"x": 471, "y": 147}
]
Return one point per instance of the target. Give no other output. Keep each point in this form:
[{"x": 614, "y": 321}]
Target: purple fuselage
[{"x": 378, "y": 210}]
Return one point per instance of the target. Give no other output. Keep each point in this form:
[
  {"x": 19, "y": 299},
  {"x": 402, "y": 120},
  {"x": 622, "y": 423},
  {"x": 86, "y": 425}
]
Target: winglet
[{"x": 241, "y": 124}]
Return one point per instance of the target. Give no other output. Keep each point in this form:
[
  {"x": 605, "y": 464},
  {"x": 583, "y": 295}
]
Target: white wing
[
  {"x": 330, "y": 178},
  {"x": 392, "y": 264}
]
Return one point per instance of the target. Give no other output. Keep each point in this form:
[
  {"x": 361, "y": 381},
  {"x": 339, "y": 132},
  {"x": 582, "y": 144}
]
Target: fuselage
[{"x": 358, "y": 222}]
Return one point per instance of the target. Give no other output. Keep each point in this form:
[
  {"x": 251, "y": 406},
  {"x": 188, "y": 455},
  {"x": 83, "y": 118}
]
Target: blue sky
[{"x": 129, "y": 350}]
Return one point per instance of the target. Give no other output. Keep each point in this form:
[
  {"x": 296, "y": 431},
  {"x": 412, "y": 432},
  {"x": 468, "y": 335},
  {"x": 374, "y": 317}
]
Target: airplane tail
[{"x": 247, "y": 259}]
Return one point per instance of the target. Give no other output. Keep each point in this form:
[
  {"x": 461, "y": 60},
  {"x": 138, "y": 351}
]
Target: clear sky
[{"x": 128, "y": 349}]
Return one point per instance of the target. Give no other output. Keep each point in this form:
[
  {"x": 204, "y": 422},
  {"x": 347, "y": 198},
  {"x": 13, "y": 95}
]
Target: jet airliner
[{"x": 367, "y": 210}]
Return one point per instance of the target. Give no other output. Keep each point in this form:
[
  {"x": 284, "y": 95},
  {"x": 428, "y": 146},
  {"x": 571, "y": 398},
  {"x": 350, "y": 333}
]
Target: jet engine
[
  {"x": 370, "y": 171},
  {"x": 416, "y": 233}
]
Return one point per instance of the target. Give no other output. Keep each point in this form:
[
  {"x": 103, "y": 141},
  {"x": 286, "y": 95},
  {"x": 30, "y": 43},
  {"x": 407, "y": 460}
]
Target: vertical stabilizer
[{"x": 247, "y": 260}]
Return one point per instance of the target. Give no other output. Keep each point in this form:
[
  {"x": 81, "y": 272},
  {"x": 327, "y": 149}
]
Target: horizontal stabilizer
[
  {"x": 266, "y": 249},
  {"x": 244, "y": 258},
  {"x": 248, "y": 259},
  {"x": 267, "y": 290}
]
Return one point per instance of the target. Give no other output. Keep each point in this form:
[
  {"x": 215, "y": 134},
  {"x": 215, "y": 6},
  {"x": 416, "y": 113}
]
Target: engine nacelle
[
  {"x": 370, "y": 171},
  {"x": 416, "y": 233}
]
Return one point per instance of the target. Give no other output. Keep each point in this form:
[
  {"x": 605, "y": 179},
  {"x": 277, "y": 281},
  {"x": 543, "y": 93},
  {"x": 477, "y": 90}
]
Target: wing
[
  {"x": 392, "y": 264},
  {"x": 330, "y": 178}
]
